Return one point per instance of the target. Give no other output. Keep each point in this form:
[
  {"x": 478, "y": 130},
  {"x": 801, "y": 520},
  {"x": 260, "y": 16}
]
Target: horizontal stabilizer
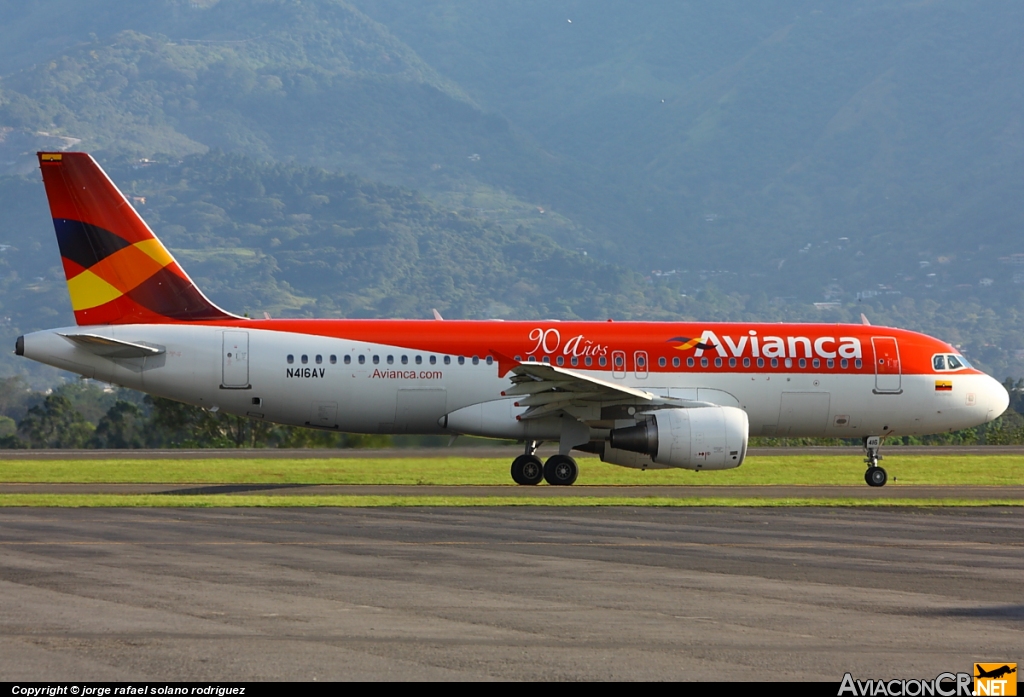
[{"x": 113, "y": 348}]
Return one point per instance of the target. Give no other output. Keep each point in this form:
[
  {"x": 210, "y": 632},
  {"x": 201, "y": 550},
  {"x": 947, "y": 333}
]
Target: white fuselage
[{"x": 398, "y": 390}]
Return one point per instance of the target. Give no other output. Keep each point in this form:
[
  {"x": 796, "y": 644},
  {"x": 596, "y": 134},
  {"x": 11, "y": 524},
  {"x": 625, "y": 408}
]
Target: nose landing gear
[{"x": 875, "y": 475}]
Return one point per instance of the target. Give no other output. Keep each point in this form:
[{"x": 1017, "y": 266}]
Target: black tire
[
  {"x": 527, "y": 470},
  {"x": 560, "y": 470},
  {"x": 876, "y": 476}
]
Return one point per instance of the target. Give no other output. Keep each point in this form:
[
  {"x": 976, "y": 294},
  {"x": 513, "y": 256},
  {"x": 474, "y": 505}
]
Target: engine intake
[{"x": 703, "y": 438}]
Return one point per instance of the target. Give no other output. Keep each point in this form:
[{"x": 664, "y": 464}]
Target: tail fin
[{"x": 118, "y": 271}]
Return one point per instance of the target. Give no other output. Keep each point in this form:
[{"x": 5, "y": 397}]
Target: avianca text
[{"x": 781, "y": 347}]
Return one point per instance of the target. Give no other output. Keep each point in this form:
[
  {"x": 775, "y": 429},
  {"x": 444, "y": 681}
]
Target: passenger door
[
  {"x": 235, "y": 353},
  {"x": 888, "y": 375}
]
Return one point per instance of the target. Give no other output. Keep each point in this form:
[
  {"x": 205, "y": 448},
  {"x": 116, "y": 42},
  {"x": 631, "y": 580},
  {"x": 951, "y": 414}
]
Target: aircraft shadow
[
  {"x": 1013, "y": 613},
  {"x": 232, "y": 489}
]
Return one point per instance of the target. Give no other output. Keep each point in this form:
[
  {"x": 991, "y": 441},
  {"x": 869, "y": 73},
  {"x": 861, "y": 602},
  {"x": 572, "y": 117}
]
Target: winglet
[{"x": 505, "y": 364}]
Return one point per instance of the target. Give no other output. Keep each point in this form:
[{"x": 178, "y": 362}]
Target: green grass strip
[
  {"x": 283, "y": 501},
  {"x": 938, "y": 469}
]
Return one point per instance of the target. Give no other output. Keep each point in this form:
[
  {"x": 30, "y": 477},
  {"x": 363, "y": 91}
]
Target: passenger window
[
  {"x": 305, "y": 359},
  {"x": 775, "y": 362},
  {"x": 545, "y": 359},
  {"x": 939, "y": 362},
  {"x": 348, "y": 359},
  {"x": 490, "y": 360},
  {"x": 519, "y": 358},
  {"x": 476, "y": 360},
  {"x": 857, "y": 363},
  {"x": 602, "y": 361},
  {"x": 760, "y": 362},
  {"x": 803, "y": 362},
  {"x": 376, "y": 359},
  {"x": 362, "y": 359},
  {"x": 954, "y": 364},
  {"x": 746, "y": 362},
  {"x": 433, "y": 360},
  {"x": 559, "y": 360},
  {"x": 703, "y": 362},
  {"x": 718, "y": 362},
  {"x": 574, "y": 361},
  {"x": 640, "y": 362},
  {"x": 334, "y": 359},
  {"x": 391, "y": 360},
  {"x": 689, "y": 362},
  {"x": 447, "y": 360},
  {"x": 831, "y": 363},
  {"x": 462, "y": 360},
  {"x": 844, "y": 364},
  {"x": 662, "y": 362},
  {"x": 618, "y": 361},
  {"x": 816, "y": 363},
  {"x": 405, "y": 360},
  {"x": 675, "y": 361},
  {"x": 319, "y": 359},
  {"x": 291, "y": 359},
  {"x": 419, "y": 360},
  {"x": 732, "y": 362},
  {"x": 588, "y": 361}
]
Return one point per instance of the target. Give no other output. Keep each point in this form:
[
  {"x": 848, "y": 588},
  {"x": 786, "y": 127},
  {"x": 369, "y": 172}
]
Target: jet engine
[{"x": 702, "y": 438}]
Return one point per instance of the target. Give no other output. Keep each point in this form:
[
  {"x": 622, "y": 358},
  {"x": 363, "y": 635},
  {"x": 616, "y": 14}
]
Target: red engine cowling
[{"x": 702, "y": 438}]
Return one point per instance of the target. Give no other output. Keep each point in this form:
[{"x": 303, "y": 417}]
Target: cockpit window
[{"x": 949, "y": 361}]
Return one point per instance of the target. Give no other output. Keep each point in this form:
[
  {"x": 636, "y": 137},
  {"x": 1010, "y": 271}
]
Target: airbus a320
[{"x": 646, "y": 395}]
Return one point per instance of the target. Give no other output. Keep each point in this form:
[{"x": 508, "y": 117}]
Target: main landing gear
[
  {"x": 875, "y": 475},
  {"x": 559, "y": 470}
]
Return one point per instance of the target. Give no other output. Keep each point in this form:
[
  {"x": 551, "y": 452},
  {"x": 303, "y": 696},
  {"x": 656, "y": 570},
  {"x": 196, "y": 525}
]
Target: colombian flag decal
[{"x": 943, "y": 385}]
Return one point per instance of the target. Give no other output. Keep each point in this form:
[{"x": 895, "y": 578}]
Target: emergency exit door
[
  {"x": 235, "y": 360},
  {"x": 888, "y": 375}
]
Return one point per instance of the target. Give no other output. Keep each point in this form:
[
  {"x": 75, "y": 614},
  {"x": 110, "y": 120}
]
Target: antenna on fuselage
[
  {"x": 437, "y": 315},
  {"x": 864, "y": 319}
]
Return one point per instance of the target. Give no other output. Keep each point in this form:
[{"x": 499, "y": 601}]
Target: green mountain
[
  {"x": 313, "y": 82},
  {"x": 773, "y": 127},
  {"x": 719, "y": 161}
]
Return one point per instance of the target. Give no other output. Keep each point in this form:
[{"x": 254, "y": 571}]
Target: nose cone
[{"x": 995, "y": 397}]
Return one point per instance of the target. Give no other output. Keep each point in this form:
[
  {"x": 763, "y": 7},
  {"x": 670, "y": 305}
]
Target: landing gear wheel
[
  {"x": 560, "y": 470},
  {"x": 876, "y": 476},
  {"x": 527, "y": 470}
]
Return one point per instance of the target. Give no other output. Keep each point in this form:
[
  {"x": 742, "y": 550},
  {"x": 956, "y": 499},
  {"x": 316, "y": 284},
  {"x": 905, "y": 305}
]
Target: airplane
[
  {"x": 646, "y": 395},
  {"x": 995, "y": 673}
]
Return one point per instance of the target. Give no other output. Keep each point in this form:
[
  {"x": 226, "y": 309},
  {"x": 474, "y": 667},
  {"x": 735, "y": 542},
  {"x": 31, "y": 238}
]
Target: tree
[
  {"x": 55, "y": 424},
  {"x": 178, "y": 425},
  {"x": 123, "y": 426}
]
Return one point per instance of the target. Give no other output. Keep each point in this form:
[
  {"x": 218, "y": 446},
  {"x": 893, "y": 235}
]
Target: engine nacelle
[{"x": 702, "y": 438}]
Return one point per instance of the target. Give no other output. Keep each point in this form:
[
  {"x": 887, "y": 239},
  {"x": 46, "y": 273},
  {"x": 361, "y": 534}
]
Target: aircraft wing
[{"x": 548, "y": 389}]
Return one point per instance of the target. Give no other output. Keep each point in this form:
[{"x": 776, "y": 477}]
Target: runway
[
  {"x": 582, "y": 491},
  {"x": 509, "y": 452},
  {"x": 507, "y": 593}
]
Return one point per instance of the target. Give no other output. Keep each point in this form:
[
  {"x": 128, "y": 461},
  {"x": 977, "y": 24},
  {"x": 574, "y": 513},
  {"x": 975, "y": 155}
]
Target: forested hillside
[{"x": 559, "y": 158}]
